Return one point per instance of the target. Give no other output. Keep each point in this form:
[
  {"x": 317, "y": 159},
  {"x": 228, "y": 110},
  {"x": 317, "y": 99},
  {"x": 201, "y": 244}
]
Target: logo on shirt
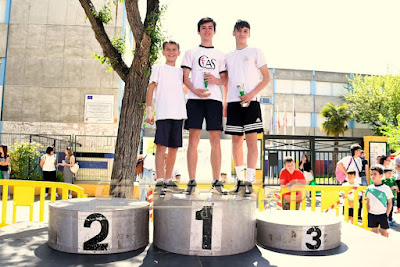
[{"x": 206, "y": 62}]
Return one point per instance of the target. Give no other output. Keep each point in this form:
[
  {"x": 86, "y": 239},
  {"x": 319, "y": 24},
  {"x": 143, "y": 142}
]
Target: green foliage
[
  {"x": 104, "y": 14},
  {"x": 24, "y": 157},
  {"x": 392, "y": 132},
  {"x": 157, "y": 36},
  {"x": 59, "y": 176},
  {"x": 336, "y": 119},
  {"x": 119, "y": 43},
  {"x": 372, "y": 97}
]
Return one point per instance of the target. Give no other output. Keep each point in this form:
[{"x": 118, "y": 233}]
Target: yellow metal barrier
[
  {"x": 24, "y": 195},
  {"x": 330, "y": 195}
]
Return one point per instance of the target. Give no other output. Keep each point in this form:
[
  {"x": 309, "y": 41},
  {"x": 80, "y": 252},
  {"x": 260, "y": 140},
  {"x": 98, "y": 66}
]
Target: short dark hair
[
  {"x": 387, "y": 170},
  {"x": 206, "y": 20},
  {"x": 382, "y": 159},
  {"x": 353, "y": 148},
  {"x": 351, "y": 171},
  {"x": 170, "y": 42},
  {"x": 377, "y": 168},
  {"x": 241, "y": 24},
  {"x": 287, "y": 159},
  {"x": 49, "y": 149}
]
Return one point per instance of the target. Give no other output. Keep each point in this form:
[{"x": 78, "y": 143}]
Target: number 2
[
  {"x": 93, "y": 243},
  {"x": 205, "y": 215}
]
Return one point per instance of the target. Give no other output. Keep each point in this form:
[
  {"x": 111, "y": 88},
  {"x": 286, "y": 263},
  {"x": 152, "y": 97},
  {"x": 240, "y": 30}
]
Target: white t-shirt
[
  {"x": 149, "y": 162},
  {"x": 375, "y": 205},
  {"x": 169, "y": 95},
  {"x": 351, "y": 197},
  {"x": 204, "y": 59},
  {"x": 48, "y": 165},
  {"x": 243, "y": 67},
  {"x": 355, "y": 164},
  {"x": 397, "y": 164}
]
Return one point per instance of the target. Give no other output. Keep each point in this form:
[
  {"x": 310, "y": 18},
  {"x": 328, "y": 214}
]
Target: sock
[
  {"x": 167, "y": 181},
  {"x": 251, "y": 175},
  {"x": 239, "y": 172},
  {"x": 192, "y": 179},
  {"x": 159, "y": 179}
]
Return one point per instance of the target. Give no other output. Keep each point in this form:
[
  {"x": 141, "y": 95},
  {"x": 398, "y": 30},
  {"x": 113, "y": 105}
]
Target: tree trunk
[
  {"x": 131, "y": 118},
  {"x": 335, "y": 156}
]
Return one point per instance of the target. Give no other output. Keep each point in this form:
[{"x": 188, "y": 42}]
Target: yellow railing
[
  {"x": 24, "y": 195},
  {"x": 329, "y": 196}
]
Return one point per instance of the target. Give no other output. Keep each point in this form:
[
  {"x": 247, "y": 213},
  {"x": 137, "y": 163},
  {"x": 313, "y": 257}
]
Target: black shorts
[
  {"x": 351, "y": 212},
  {"x": 378, "y": 220},
  {"x": 198, "y": 110},
  {"x": 244, "y": 120},
  {"x": 169, "y": 133}
]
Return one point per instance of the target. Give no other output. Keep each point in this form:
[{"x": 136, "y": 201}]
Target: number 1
[{"x": 205, "y": 215}]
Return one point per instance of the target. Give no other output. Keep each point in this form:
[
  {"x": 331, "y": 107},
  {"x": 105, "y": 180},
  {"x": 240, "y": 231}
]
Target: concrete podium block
[
  {"x": 98, "y": 226},
  {"x": 208, "y": 225},
  {"x": 298, "y": 230}
]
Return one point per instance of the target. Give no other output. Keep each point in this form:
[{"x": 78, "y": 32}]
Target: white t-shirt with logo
[
  {"x": 355, "y": 164},
  {"x": 243, "y": 67},
  {"x": 204, "y": 59},
  {"x": 354, "y": 184},
  {"x": 375, "y": 205},
  {"x": 169, "y": 95}
]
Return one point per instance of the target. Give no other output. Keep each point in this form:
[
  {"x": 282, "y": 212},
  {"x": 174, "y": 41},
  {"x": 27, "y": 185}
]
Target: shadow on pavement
[{"x": 158, "y": 257}]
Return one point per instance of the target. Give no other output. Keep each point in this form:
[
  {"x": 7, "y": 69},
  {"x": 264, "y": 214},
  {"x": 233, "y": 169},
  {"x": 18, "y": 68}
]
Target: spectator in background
[
  {"x": 305, "y": 168},
  {"x": 397, "y": 168},
  {"x": 390, "y": 181},
  {"x": 67, "y": 164},
  {"x": 223, "y": 178},
  {"x": 48, "y": 164},
  {"x": 351, "y": 175},
  {"x": 384, "y": 161},
  {"x": 352, "y": 162},
  {"x": 363, "y": 174},
  {"x": 289, "y": 177},
  {"x": 4, "y": 165}
]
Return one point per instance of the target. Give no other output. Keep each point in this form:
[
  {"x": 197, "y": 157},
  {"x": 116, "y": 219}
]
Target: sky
[{"x": 351, "y": 36}]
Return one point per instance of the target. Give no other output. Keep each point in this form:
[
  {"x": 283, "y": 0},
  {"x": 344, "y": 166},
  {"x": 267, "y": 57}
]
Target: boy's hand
[
  {"x": 201, "y": 92},
  {"x": 149, "y": 115},
  {"x": 246, "y": 98},
  {"x": 211, "y": 78}
]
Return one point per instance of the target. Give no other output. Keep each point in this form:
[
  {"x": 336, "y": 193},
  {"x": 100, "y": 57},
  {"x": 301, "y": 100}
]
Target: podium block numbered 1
[{"x": 204, "y": 226}]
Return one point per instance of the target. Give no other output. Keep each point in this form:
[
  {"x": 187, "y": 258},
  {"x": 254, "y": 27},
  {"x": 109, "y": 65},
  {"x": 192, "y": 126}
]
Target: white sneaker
[{"x": 69, "y": 196}]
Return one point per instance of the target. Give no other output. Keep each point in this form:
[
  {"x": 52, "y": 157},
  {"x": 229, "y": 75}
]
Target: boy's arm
[
  {"x": 189, "y": 84},
  {"x": 261, "y": 85},
  {"x": 149, "y": 100},
  {"x": 225, "y": 98},
  {"x": 389, "y": 206},
  {"x": 367, "y": 204}
]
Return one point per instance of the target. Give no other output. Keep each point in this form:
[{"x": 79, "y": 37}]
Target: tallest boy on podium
[
  {"x": 245, "y": 65},
  {"x": 208, "y": 72}
]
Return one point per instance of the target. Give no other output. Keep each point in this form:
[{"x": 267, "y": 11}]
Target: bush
[{"x": 24, "y": 161}]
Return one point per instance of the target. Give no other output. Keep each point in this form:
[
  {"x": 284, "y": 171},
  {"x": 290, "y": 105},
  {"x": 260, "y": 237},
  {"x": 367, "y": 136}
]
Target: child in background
[
  {"x": 390, "y": 181},
  {"x": 379, "y": 202},
  {"x": 351, "y": 176}
]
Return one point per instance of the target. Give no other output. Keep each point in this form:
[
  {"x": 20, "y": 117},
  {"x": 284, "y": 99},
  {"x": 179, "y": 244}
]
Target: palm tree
[{"x": 335, "y": 124}]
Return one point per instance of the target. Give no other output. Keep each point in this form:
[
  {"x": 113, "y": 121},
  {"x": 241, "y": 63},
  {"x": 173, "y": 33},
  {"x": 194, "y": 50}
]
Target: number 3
[{"x": 315, "y": 238}]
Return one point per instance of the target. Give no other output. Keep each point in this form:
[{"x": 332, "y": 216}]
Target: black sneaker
[
  {"x": 238, "y": 188},
  {"x": 171, "y": 186},
  {"x": 191, "y": 187},
  {"x": 242, "y": 188},
  {"x": 248, "y": 187},
  {"x": 218, "y": 188},
  {"x": 159, "y": 190}
]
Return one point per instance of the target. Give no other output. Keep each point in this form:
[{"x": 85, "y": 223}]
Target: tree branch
[
  {"x": 133, "y": 15},
  {"x": 152, "y": 6},
  {"x": 109, "y": 50}
]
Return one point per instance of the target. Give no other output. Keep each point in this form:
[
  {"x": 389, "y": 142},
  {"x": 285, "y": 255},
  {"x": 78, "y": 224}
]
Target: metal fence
[
  {"x": 59, "y": 142},
  {"x": 323, "y": 153}
]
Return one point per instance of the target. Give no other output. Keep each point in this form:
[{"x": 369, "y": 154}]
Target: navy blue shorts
[
  {"x": 376, "y": 220},
  {"x": 169, "y": 133},
  {"x": 198, "y": 110},
  {"x": 244, "y": 119}
]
